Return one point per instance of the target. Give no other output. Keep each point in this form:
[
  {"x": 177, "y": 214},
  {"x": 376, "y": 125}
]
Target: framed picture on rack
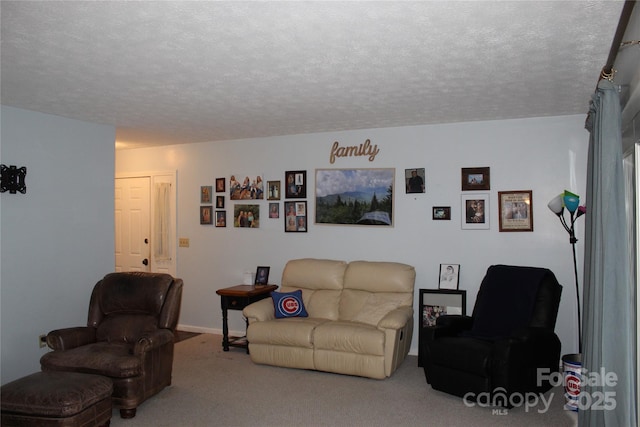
[{"x": 435, "y": 303}]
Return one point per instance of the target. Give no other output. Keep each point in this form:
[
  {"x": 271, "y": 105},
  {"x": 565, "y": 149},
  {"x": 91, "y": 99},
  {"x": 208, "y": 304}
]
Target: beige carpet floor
[{"x": 215, "y": 388}]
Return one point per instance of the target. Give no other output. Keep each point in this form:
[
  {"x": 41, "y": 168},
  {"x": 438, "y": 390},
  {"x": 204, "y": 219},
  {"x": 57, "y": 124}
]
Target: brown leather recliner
[{"x": 129, "y": 336}]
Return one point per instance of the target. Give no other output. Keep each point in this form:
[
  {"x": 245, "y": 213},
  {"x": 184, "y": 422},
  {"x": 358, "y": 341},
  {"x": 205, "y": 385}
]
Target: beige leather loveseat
[{"x": 360, "y": 318}]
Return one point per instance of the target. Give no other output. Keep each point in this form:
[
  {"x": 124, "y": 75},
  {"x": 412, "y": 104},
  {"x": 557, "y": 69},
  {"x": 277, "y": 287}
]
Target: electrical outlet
[
  {"x": 42, "y": 341},
  {"x": 183, "y": 242}
]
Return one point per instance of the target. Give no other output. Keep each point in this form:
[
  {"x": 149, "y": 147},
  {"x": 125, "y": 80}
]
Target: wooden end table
[{"x": 237, "y": 298}]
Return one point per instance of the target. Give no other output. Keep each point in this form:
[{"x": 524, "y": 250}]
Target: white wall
[
  {"x": 546, "y": 155},
  {"x": 57, "y": 239}
]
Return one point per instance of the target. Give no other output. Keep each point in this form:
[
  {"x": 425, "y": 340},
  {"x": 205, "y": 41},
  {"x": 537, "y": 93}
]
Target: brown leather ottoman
[{"x": 57, "y": 399}]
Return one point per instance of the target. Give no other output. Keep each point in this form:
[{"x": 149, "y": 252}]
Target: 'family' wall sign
[{"x": 364, "y": 149}]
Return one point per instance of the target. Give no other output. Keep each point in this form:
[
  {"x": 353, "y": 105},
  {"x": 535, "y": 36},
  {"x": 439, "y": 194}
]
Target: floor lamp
[{"x": 557, "y": 205}]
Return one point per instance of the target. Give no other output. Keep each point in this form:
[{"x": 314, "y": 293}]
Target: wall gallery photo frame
[
  {"x": 205, "y": 194},
  {"x": 415, "y": 180},
  {"x": 475, "y": 211},
  {"x": 221, "y": 218},
  {"x": 206, "y": 216},
  {"x": 441, "y": 213},
  {"x": 295, "y": 217},
  {"x": 474, "y": 179},
  {"x": 516, "y": 210},
  {"x": 296, "y": 184},
  {"x": 220, "y": 185},
  {"x": 273, "y": 190}
]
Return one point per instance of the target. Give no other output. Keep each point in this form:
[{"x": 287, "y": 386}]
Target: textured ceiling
[{"x": 179, "y": 72}]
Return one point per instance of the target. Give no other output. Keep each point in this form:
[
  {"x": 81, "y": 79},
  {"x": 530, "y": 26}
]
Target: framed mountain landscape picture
[{"x": 355, "y": 196}]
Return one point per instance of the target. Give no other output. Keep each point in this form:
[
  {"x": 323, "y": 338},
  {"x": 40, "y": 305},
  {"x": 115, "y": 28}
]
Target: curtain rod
[{"x": 607, "y": 70}]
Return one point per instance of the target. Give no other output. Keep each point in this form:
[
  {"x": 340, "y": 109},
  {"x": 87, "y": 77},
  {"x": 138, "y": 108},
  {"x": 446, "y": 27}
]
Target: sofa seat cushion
[
  {"x": 351, "y": 337},
  {"x": 466, "y": 354},
  {"x": 115, "y": 360},
  {"x": 290, "y": 331}
]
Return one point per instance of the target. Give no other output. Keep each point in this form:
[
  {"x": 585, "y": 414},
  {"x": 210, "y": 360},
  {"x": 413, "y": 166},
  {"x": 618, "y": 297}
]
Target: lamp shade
[
  {"x": 571, "y": 201},
  {"x": 556, "y": 204}
]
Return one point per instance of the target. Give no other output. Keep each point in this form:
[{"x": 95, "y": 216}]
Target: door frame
[{"x": 170, "y": 267}]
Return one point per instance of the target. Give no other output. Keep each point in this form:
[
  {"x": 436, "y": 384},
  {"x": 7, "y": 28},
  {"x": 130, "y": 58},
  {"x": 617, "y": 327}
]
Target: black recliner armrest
[{"x": 447, "y": 326}]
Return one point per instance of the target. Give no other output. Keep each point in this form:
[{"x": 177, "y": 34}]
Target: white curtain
[
  {"x": 161, "y": 221},
  {"x": 609, "y": 291}
]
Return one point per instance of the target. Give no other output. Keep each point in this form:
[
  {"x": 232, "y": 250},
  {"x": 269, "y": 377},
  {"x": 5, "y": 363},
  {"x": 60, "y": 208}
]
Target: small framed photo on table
[
  {"x": 262, "y": 275},
  {"x": 449, "y": 276}
]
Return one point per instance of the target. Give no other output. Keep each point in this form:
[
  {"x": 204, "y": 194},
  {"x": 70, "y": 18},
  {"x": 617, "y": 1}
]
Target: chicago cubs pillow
[{"x": 288, "y": 304}]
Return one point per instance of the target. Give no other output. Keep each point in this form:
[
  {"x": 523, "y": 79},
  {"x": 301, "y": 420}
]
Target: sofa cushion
[
  {"x": 377, "y": 276},
  {"x": 321, "y": 282},
  {"x": 310, "y": 273},
  {"x": 288, "y": 304},
  {"x": 292, "y": 331},
  {"x": 349, "y": 337},
  {"x": 369, "y": 307}
]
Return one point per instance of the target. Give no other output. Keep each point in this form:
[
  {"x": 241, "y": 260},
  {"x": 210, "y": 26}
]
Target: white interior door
[{"x": 132, "y": 224}]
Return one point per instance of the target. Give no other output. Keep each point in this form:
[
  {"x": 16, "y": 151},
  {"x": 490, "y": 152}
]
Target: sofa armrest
[
  {"x": 396, "y": 319},
  {"x": 151, "y": 340},
  {"x": 68, "y": 338},
  {"x": 259, "y": 311}
]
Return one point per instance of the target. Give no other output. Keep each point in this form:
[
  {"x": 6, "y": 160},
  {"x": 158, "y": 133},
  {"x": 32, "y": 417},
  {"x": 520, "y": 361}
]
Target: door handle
[{"x": 145, "y": 261}]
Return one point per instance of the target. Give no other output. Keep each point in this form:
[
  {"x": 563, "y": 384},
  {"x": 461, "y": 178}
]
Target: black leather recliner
[{"x": 498, "y": 350}]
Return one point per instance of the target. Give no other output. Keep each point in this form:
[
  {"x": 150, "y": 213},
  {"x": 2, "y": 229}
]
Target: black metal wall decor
[{"x": 13, "y": 179}]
